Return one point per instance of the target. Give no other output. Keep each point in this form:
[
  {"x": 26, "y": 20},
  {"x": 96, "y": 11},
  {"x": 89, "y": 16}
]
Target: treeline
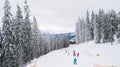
[
  {"x": 20, "y": 39},
  {"x": 102, "y": 27}
]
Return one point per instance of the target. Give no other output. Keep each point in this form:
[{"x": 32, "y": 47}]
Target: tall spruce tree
[
  {"x": 1, "y": 38},
  {"x": 103, "y": 26},
  {"x": 118, "y": 33},
  {"x": 88, "y": 36},
  {"x": 92, "y": 24},
  {"x": 83, "y": 30},
  {"x": 8, "y": 45},
  {"x": 80, "y": 30},
  {"x": 18, "y": 34},
  {"x": 97, "y": 35},
  {"x": 113, "y": 25},
  {"x": 118, "y": 30},
  {"x": 41, "y": 46},
  {"x": 27, "y": 34},
  {"x": 105, "y": 29},
  {"x": 77, "y": 31},
  {"x": 36, "y": 38}
]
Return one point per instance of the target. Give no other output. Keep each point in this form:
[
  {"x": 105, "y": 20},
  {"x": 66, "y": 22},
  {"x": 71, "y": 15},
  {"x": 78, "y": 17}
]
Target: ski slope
[{"x": 109, "y": 55}]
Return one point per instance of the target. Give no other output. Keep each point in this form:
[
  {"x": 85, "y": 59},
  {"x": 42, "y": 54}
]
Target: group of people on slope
[{"x": 75, "y": 55}]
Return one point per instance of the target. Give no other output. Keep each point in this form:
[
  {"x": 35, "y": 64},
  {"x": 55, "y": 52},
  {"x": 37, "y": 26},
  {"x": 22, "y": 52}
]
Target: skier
[
  {"x": 75, "y": 60},
  {"x": 74, "y": 53},
  {"x": 77, "y": 54},
  {"x": 68, "y": 53}
]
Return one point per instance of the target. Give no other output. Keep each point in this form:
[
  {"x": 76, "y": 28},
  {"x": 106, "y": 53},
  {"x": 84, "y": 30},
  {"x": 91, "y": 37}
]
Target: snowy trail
[
  {"x": 108, "y": 56},
  {"x": 61, "y": 58}
]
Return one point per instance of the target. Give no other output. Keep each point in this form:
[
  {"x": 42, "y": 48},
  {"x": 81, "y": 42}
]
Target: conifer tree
[
  {"x": 92, "y": 24},
  {"x": 97, "y": 35},
  {"x": 8, "y": 45},
  {"x": 18, "y": 34},
  {"x": 88, "y": 36},
  {"x": 27, "y": 32},
  {"x": 113, "y": 25},
  {"x": 36, "y": 38}
]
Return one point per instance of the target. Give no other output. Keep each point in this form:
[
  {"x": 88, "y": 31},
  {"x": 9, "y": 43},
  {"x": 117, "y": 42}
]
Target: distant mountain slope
[{"x": 68, "y": 35}]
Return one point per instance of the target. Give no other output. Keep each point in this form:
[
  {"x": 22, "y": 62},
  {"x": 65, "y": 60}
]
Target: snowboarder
[
  {"x": 77, "y": 54},
  {"x": 74, "y": 53},
  {"x": 75, "y": 60}
]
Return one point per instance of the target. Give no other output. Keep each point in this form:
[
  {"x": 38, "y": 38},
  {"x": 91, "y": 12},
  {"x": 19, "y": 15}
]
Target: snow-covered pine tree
[
  {"x": 80, "y": 30},
  {"x": 118, "y": 30},
  {"x": 55, "y": 43},
  {"x": 97, "y": 35},
  {"x": 113, "y": 25},
  {"x": 44, "y": 43},
  {"x": 61, "y": 44},
  {"x": 83, "y": 30},
  {"x": 77, "y": 32},
  {"x": 8, "y": 43},
  {"x": 118, "y": 33},
  {"x": 104, "y": 26},
  {"x": 27, "y": 34},
  {"x": 99, "y": 23},
  {"x": 40, "y": 46},
  {"x": 0, "y": 40},
  {"x": 65, "y": 42},
  {"x": 17, "y": 28},
  {"x": 0, "y": 45},
  {"x": 36, "y": 38},
  {"x": 52, "y": 42},
  {"x": 105, "y": 29},
  {"x": 88, "y": 36},
  {"x": 48, "y": 42},
  {"x": 92, "y": 24}
]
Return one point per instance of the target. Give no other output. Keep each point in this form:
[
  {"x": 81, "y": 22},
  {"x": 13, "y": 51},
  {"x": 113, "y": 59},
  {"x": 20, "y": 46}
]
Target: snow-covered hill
[{"x": 91, "y": 55}]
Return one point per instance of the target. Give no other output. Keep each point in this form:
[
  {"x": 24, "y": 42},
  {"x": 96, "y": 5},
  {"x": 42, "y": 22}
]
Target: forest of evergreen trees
[
  {"x": 20, "y": 39},
  {"x": 102, "y": 27}
]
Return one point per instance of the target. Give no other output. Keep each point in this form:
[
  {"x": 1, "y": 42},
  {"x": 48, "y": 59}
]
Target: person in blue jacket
[{"x": 75, "y": 60}]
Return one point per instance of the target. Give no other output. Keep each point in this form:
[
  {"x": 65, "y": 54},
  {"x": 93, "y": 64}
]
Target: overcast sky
[{"x": 57, "y": 16}]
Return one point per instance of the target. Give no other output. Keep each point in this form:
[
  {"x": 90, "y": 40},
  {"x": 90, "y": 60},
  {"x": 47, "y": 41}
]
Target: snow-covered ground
[{"x": 109, "y": 55}]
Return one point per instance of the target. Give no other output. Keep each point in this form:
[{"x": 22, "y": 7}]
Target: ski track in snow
[{"x": 109, "y": 55}]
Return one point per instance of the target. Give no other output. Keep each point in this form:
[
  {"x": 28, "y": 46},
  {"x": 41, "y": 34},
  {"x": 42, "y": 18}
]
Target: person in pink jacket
[{"x": 77, "y": 54}]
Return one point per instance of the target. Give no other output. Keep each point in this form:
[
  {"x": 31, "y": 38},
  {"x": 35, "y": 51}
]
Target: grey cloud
[{"x": 62, "y": 14}]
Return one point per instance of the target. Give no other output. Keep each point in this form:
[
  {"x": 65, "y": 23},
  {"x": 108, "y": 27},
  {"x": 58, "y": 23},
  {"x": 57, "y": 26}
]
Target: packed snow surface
[{"x": 90, "y": 55}]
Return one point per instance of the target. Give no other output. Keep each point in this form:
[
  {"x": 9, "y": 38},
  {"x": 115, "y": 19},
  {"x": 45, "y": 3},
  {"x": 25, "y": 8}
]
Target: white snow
[{"x": 109, "y": 55}]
